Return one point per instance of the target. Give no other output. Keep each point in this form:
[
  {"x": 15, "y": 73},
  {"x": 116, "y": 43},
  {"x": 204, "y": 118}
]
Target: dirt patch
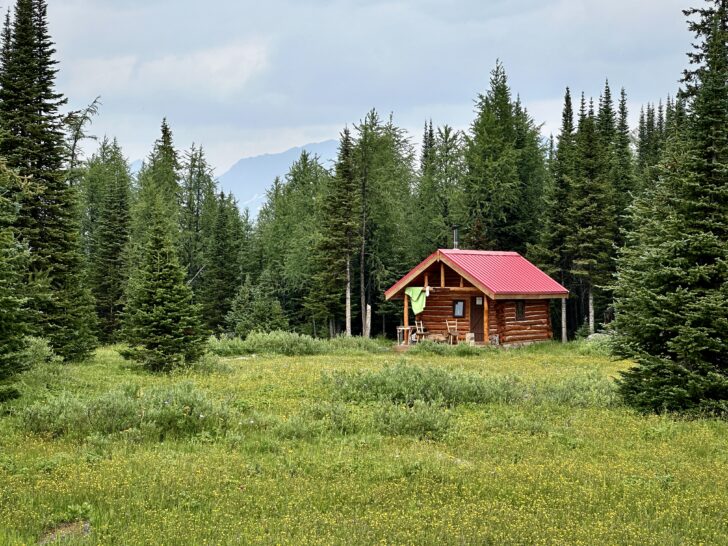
[{"x": 65, "y": 531}]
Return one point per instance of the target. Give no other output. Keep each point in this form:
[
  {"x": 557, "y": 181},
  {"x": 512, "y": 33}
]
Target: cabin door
[{"x": 477, "y": 319}]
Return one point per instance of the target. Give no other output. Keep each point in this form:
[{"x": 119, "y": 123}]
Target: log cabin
[{"x": 500, "y": 293}]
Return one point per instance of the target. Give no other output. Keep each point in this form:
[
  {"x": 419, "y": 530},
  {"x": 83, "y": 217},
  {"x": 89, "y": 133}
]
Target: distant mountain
[
  {"x": 136, "y": 166},
  {"x": 250, "y": 177}
]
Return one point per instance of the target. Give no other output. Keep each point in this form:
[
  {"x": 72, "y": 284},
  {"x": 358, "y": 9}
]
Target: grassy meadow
[{"x": 527, "y": 446}]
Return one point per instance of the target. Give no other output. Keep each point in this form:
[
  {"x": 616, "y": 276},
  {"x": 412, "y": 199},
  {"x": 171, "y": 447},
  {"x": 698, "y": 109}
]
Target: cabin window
[
  {"x": 458, "y": 308},
  {"x": 520, "y": 310}
]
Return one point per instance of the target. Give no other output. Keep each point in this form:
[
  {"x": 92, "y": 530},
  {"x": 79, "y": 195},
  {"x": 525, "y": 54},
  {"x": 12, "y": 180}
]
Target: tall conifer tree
[
  {"x": 672, "y": 286},
  {"x": 222, "y": 272},
  {"x": 13, "y": 257},
  {"x": 339, "y": 240},
  {"x": 591, "y": 213},
  {"x": 552, "y": 253},
  {"x": 162, "y": 324},
  {"x": 198, "y": 213},
  {"x": 33, "y": 144},
  {"x": 107, "y": 191},
  {"x": 505, "y": 171}
]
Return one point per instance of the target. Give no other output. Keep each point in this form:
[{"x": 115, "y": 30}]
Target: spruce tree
[
  {"x": 198, "y": 213},
  {"x": 621, "y": 169},
  {"x": 157, "y": 180},
  {"x": 591, "y": 217},
  {"x": 107, "y": 191},
  {"x": 33, "y": 144},
  {"x": 13, "y": 256},
  {"x": 505, "y": 171},
  {"x": 162, "y": 324},
  {"x": 672, "y": 284},
  {"x": 331, "y": 296},
  {"x": 255, "y": 309},
  {"x": 221, "y": 273},
  {"x": 552, "y": 253}
]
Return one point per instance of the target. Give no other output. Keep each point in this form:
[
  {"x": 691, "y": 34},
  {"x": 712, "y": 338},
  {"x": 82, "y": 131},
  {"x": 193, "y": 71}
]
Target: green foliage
[
  {"x": 421, "y": 420},
  {"x": 13, "y": 256},
  {"x": 197, "y": 219},
  {"x": 106, "y": 190},
  {"x": 590, "y": 243},
  {"x": 438, "y": 194},
  {"x": 338, "y": 239},
  {"x": 288, "y": 228},
  {"x": 38, "y": 351},
  {"x": 33, "y": 144},
  {"x": 222, "y": 263},
  {"x": 255, "y": 309},
  {"x": 162, "y": 324},
  {"x": 432, "y": 348},
  {"x": 287, "y": 450},
  {"x": 282, "y": 343},
  {"x": 293, "y": 344},
  {"x": 505, "y": 171},
  {"x": 177, "y": 411},
  {"x": 407, "y": 384},
  {"x": 671, "y": 292},
  {"x": 157, "y": 185}
]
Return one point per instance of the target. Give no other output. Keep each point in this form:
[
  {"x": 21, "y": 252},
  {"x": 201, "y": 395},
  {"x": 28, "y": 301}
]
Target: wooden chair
[
  {"x": 452, "y": 332},
  {"x": 420, "y": 331}
]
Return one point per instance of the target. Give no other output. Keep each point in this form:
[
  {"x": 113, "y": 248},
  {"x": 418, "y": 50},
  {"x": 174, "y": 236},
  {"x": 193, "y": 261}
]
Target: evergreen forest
[{"x": 631, "y": 218}]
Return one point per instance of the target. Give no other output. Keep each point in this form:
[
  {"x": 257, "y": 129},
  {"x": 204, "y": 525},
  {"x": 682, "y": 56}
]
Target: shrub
[
  {"x": 589, "y": 389},
  {"x": 441, "y": 349},
  {"x": 421, "y": 420},
  {"x": 406, "y": 384},
  {"x": 57, "y": 416},
  {"x": 39, "y": 351},
  {"x": 175, "y": 411},
  {"x": 227, "y": 346},
  {"x": 283, "y": 343},
  {"x": 356, "y": 344},
  {"x": 293, "y": 344}
]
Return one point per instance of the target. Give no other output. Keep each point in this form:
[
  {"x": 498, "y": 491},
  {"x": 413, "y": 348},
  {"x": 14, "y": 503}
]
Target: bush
[
  {"x": 293, "y": 344},
  {"x": 406, "y": 384},
  {"x": 421, "y": 420},
  {"x": 441, "y": 349},
  {"x": 39, "y": 351},
  {"x": 356, "y": 344},
  {"x": 282, "y": 343},
  {"x": 227, "y": 346},
  {"x": 175, "y": 411},
  {"x": 589, "y": 389}
]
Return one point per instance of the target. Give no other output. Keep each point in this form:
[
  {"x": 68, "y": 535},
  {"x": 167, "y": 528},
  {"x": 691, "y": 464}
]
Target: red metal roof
[{"x": 498, "y": 274}]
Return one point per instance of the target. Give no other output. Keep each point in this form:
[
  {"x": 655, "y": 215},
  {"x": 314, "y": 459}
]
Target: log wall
[
  {"x": 535, "y": 327},
  {"x": 440, "y": 308}
]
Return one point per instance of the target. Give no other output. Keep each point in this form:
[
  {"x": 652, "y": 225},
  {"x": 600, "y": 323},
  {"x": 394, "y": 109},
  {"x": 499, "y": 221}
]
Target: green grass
[{"x": 527, "y": 446}]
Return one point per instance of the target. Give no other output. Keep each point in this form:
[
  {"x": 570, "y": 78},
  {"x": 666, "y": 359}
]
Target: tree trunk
[
  {"x": 332, "y": 328},
  {"x": 591, "y": 310},
  {"x": 368, "y": 330},
  {"x": 348, "y": 296},
  {"x": 564, "y": 331},
  {"x": 363, "y": 290}
]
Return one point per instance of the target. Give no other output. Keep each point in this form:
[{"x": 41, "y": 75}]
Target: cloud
[
  {"x": 244, "y": 77},
  {"x": 219, "y": 72}
]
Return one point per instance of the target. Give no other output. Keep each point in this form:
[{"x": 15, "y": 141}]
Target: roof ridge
[{"x": 481, "y": 252}]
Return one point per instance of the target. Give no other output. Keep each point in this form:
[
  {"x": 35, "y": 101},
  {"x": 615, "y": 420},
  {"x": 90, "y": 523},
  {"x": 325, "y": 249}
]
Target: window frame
[
  {"x": 520, "y": 310},
  {"x": 455, "y": 307}
]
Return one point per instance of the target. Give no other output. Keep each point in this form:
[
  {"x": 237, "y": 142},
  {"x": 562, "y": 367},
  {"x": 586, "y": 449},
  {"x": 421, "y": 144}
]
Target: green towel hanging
[{"x": 418, "y": 298}]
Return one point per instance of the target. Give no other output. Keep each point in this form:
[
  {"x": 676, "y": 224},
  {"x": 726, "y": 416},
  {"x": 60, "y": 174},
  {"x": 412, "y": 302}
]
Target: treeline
[{"x": 632, "y": 222}]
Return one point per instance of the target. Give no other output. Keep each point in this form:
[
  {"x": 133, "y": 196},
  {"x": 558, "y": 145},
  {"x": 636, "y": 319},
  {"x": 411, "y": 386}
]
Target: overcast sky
[{"x": 244, "y": 78}]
